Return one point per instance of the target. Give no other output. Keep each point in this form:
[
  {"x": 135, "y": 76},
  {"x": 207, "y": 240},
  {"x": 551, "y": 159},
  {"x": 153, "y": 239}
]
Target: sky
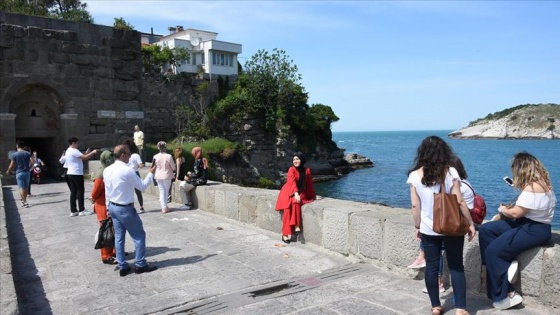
[{"x": 385, "y": 65}]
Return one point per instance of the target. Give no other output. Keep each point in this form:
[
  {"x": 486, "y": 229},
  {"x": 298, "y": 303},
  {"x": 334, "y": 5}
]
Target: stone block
[
  {"x": 267, "y": 217},
  {"x": 550, "y": 281},
  {"x": 231, "y": 206},
  {"x": 530, "y": 271},
  {"x": 400, "y": 245},
  {"x": 336, "y": 224},
  {"x": 473, "y": 266},
  {"x": 367, "y": 234},
  {"x": 312, "y": 221},
  {"x": 248, "y": 208}
]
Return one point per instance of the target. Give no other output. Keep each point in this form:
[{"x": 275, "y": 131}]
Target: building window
[{"x": 222, "y": 59}]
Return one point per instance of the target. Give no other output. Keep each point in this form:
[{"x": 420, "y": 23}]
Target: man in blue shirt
[{"x": 22, "y": 162}]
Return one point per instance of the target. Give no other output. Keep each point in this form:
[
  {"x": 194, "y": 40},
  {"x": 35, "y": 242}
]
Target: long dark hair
[
  {"x": 458, "y": 165},
  {"x": 433, "y": 156}
]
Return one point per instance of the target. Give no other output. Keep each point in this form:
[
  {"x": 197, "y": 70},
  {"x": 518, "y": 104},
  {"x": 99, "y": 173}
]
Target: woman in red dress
[{"x": 297, "y": 191}]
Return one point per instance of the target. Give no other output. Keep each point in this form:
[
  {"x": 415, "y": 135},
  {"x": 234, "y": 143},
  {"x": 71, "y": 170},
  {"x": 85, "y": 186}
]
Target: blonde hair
[
  {"x": 527, "y": 170},
  {"x": 178, "y": 152}
]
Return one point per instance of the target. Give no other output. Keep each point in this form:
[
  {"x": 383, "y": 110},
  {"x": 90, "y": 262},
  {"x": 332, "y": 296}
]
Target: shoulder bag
[{"x": 448, "y": 218}]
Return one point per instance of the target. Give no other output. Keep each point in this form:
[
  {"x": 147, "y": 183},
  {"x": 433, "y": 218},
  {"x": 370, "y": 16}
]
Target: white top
[
  {"x": 426, "y": 195},
  {"x": 541, "y": 205},
  {"x": 468, "y": 193},
  {"x": 135, "y": 161},
  {"x": 73, "y": 162},
  {"x": 139, "y": 138},
  {"x": 120, "y": 181}
]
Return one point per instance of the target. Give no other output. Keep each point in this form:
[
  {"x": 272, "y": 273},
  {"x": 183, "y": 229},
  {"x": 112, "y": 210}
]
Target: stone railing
[{"x": 373, "y": 233}]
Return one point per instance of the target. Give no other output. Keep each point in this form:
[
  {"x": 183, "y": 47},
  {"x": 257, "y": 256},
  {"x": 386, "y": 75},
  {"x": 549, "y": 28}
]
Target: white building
[{"x": 214, "y": 56}]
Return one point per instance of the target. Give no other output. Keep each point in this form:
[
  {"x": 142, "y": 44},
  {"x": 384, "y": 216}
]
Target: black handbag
[{"x": 106, "y": 234}]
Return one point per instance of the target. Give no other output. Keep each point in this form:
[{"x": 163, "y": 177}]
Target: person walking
[
  {"x": 73, "y": 159},
  {"x": 164, "y": 174},
  {"x": 198, "y": 177},
  {"x": 21, "y": 160},
  {"x": 135, "y": 162},
  {"x": 523, "y": 225},
  {"x": 297, "y": 191},
  {"x": 28, "y": 149},
  {"x": 120, "y": 182},
  {"x": 138, "y": 137},
  {"x": 431, "y": 168},
  {"x": 99, "y": 202}
]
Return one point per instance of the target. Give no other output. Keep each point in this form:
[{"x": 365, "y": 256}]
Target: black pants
[
  {"x": 139, "y": 194},
  {"x": 76, "y": 184}
]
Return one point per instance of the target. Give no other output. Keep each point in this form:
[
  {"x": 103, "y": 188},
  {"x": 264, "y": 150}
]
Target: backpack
[{"x": 478, "y": 212}]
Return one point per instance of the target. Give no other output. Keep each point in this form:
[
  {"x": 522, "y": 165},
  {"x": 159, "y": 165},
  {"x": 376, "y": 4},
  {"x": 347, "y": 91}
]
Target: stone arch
[
  {"x": 38, "y": 103},
  {"x": 20, "y": 85}
]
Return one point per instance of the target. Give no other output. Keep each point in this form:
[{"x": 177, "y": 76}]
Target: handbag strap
[{"x": 462, "y": 181}]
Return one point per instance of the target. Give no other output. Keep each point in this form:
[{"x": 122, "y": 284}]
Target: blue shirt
[{"x": 22, "y": 160}]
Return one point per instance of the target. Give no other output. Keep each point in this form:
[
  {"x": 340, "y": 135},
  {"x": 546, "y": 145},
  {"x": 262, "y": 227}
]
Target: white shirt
[
  {"x": 120, "y": 181},
  {"x": 426, "y": 195},
  {"x": 73, "y": 162},
  {"x": 541, "y": 205},
  {"x": 134, "y": 161}
]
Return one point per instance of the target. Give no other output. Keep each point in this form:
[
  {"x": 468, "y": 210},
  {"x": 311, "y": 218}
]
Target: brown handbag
[{"x": 448, "y": 218}]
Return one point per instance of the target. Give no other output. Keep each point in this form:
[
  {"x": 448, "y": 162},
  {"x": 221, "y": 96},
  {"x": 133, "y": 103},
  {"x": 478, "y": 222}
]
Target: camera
[{"x": 508, "y": 181}]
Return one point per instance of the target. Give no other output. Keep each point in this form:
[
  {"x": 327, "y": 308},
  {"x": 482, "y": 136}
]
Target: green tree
[
  {"x": 154, "y": 57},
  {"x": 121, "y": 24},
  {"x": 71, "y": 10}
]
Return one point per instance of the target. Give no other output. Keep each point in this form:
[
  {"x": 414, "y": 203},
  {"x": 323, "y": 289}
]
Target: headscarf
[
  {"x": 301, "y": 171},
  {"x": 197, "y": 154},
  {"x": 106, "y": 159}
]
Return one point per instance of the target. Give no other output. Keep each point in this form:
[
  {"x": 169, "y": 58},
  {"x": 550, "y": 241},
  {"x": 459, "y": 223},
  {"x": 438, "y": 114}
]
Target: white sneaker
[
  {"x": 512, "y": 271},
  {"x": 184, "y": 207},
  {"x": 73, "y": 214},
  {"x": 441, "y": 289},
  {"x": 508, "y": 302},
  {"x": 85, "y": 212}
]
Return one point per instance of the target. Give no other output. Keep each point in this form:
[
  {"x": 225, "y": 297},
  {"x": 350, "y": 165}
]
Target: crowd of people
[{"x": 520, "y": 226}]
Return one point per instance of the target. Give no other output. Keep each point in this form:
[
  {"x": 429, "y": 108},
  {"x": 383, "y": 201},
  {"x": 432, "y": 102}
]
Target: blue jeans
[
  {"x": 454, "y": 249},
  {"x": 500, "y": 242},
  {"x": 126, "y": 219},
  {"x": 23, "y": 178},
  {"x": 440, "y": 270}
]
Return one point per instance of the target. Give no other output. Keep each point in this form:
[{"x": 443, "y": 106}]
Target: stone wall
[{"x": 60, "y": 79}]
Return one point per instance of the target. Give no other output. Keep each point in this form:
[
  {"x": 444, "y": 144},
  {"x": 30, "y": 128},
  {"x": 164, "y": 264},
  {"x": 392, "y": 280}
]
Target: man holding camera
[{"x": 75, "y": 176}]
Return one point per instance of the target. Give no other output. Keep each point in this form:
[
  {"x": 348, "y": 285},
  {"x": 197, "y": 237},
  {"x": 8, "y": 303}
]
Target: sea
[{"x": 487, "y": 162}]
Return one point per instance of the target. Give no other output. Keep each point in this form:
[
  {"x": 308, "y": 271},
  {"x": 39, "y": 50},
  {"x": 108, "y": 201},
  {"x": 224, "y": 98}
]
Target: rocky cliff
[{"x": 521, "y": 122}]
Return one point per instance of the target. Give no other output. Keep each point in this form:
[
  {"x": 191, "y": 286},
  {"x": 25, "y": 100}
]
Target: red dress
[
  {"x": 287, "y": 202},
  {"x": 100, "y": 208}
]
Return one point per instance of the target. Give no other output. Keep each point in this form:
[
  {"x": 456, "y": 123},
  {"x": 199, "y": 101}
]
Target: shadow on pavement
[
  {"x": 30, "y": 292},
  {"x": 183, "y": 260}
]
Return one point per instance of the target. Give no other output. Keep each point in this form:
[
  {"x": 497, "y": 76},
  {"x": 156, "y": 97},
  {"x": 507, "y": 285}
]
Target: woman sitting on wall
[
  {"x": 297, "y": 190},
  {"x": 523, "y": 226}
]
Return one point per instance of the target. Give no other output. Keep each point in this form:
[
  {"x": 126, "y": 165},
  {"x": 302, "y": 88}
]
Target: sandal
[{"x": 438, "y": 310}]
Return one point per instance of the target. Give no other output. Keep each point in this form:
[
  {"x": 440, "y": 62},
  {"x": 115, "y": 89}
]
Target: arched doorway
[{"x": 37, "y": 123}]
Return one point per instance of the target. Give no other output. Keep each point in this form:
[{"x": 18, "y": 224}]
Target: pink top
[{"x": 165, "y": 166}]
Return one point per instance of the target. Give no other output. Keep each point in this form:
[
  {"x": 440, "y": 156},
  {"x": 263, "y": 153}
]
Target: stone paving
[{"x": 207, "y": 265}]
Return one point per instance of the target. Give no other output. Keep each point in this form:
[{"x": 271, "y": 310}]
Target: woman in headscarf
[
  {"x": 297, "y": 190},
  {"x": 99, "y": 205},
  {"x": 165, "y": 166}
]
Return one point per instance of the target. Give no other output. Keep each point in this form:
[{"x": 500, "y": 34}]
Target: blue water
[{"x": 486, "y": 162}]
